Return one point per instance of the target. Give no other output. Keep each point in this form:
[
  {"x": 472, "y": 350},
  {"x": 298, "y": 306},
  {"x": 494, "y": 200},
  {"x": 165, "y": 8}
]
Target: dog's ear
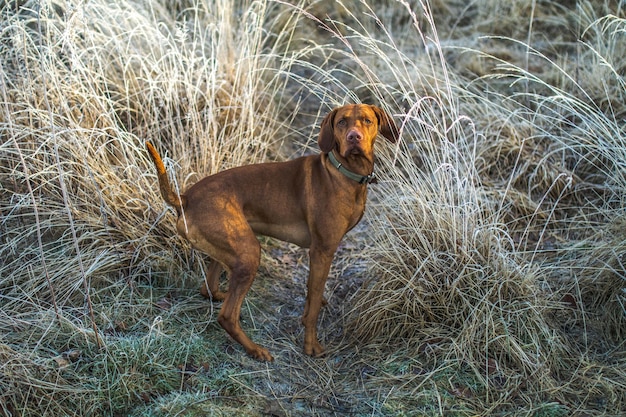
[
  {"x": 386, "y": 125},
  {"x": 326, "y": 138}
]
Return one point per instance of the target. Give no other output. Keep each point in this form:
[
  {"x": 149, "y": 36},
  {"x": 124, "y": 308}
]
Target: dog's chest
[{"x": 358, "y": 209}]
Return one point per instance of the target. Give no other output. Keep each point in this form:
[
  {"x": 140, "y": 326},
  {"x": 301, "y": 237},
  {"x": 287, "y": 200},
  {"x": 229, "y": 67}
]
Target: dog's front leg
[{"x": 320, "y": 260}]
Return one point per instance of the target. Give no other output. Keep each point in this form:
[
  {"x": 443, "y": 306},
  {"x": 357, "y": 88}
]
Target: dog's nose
[{"x": 354, "y": 136}]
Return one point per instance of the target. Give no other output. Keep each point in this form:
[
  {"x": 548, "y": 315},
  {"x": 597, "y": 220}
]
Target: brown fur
[{"x": 306, "y": 201}]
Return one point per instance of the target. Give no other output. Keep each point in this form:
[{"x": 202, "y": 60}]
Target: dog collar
[{"x": 361, "y": 179}]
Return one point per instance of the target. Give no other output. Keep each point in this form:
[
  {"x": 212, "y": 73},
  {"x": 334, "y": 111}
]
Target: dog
[{"x": 312, "y": 201}]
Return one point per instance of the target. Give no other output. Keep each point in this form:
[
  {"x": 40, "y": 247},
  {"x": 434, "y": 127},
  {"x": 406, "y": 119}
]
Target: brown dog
[{"x": 310, "y": 201}]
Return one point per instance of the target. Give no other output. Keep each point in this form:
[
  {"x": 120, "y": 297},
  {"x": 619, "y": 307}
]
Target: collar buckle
[{"x": 369, "y": 179}]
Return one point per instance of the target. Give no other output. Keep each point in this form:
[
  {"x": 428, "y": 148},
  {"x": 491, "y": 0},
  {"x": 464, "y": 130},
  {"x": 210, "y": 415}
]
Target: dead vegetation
[{"x": 487, "y": 279}]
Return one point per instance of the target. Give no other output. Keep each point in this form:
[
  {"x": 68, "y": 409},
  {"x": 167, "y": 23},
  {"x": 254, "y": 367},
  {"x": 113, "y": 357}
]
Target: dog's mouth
[{"x": 354, "y": 150}]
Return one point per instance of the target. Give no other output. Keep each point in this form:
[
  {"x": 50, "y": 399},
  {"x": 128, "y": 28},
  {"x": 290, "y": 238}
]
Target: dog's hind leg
[
  {"x": 211, "y": 286},
  {"x": 242, "y": 273},
  {"x": 238, "y": 250}
]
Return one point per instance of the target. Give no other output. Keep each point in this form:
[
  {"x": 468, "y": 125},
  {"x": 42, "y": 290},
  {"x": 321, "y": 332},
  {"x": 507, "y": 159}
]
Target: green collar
[{"x": 361, "y": 179}]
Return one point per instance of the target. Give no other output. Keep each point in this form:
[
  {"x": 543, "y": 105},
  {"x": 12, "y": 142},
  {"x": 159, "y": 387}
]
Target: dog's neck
[{"x": 361, "y": 179}]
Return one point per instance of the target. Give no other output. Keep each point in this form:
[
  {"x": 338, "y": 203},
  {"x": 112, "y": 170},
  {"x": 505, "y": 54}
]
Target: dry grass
[{"x": 487, "y": 279}]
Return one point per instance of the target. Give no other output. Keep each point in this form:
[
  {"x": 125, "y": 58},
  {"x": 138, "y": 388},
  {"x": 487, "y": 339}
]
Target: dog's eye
[
  {"x": 341, "y": 122},
  {"x": 367, "y": 121}
]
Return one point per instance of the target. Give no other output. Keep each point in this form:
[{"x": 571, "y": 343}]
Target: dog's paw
[
  {"x": 217, "y": 296},
  {"x": 314, "y": 349},
  {"x": 261, "y": 354}
]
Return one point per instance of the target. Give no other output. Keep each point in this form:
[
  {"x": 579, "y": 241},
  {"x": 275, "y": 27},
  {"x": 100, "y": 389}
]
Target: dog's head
[{"x": 352, "y": 130}]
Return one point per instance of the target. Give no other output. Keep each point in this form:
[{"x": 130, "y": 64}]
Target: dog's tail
[{"x": 170, "y": 197}]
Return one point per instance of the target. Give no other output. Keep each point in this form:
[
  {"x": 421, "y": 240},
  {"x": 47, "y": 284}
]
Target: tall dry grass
[{"x": 577, "y": 115}]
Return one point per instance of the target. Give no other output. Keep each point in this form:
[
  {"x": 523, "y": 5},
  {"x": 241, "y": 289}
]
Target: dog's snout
[{"x": 354, "y": 136}]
